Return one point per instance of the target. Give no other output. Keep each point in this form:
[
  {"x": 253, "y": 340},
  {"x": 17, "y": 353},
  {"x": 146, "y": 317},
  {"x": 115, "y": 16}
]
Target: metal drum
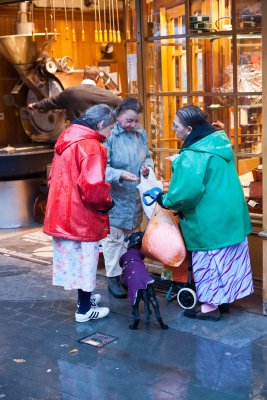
[{"x": 17, "y": 202}]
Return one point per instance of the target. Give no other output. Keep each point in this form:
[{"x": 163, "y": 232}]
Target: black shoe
[
  {"x": 115, "y": 287},
  {"x": 224, "y": 308},
  {"x": 196, "y": 313}
]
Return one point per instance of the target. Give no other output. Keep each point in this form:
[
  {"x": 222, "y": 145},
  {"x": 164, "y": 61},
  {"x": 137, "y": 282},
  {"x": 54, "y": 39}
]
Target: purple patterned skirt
[{"x": 222, "y": 275}]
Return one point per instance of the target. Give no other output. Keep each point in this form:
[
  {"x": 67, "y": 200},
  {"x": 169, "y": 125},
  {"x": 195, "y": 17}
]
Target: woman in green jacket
[{"x": 206, "y": 192}]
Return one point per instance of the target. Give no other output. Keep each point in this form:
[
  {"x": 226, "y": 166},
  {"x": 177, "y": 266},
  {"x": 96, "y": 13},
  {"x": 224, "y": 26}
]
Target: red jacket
[{"x": 77, "y": 188}]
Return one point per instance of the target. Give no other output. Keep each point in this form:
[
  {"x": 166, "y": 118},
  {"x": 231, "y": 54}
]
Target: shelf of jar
[
  {"x": 218, "y": 107},
  {"x": 244, "y": 125},
  {"x": 210, "y": 35},
  {"x": 248, "y": 155},
  {"x": 250, "y": 106},
  {"x": 206, "y": 95},
  {"x": 248, "y": 135}
]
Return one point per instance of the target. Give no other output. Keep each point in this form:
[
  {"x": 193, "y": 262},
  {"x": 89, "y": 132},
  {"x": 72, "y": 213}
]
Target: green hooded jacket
[{"x": 206, "y": 192}]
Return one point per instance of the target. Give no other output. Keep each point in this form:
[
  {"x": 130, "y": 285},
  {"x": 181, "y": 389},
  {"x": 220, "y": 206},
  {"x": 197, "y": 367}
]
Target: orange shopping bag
[
  {"x": 163, "y": 240},
  {"x": 177, "y": 274}
]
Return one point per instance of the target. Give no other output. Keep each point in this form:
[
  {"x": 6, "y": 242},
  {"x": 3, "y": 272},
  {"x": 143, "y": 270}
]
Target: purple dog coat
[{"x": 134, "y": 272}]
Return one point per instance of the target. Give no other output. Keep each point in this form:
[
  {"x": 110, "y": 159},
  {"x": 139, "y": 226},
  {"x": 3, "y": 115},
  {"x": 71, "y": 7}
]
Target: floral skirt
[
  {"x": 75, "y": 264},
  {"x": 222, "y": 275}
]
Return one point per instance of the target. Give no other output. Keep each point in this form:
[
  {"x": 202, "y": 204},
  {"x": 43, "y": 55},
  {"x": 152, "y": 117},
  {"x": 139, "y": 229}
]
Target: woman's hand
[
  {"x": 128, "y": 176},
  {"x": 218, "y": 125},
  {"x": 144, "y": 170}
]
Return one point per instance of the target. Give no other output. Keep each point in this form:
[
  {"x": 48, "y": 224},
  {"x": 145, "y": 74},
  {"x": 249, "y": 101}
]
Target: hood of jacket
[
  {"x": 75, "y": 133},
  {"x": 216, "y": 143}
]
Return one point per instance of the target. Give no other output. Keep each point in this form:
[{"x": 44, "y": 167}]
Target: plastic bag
[
  {"x": 163, "y": 240},
  {"x": 146, "y": 184}
]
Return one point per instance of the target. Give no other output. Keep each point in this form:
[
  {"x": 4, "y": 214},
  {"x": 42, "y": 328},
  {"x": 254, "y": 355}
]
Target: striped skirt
[{"x": 222, "y": 275}]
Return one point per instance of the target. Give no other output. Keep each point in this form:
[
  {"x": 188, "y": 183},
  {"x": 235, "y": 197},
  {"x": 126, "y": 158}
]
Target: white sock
[{"x": 205, "y": 308}]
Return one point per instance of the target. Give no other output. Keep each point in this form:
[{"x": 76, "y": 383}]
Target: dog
[{"x": 138, "y": 281}]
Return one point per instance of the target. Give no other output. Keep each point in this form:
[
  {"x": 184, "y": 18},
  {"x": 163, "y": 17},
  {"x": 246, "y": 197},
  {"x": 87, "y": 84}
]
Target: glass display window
[
  {"x": 164, "y": 19},
  {"x": 207, "y": 53},
  {"x": 248, "y": 15},
  {"x": 211, "y": 64},
  {"x": 130, "y": 20},
  {"x": 132, "y": 71},
  {"x": 250, "y": 124},
  {"x": 168, "y": 56}
]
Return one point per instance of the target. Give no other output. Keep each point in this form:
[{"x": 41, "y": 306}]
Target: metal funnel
[{"x": 21, "y": 49}]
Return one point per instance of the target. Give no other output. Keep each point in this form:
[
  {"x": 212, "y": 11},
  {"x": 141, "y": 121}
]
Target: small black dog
[{"x": 138, "y": 281}]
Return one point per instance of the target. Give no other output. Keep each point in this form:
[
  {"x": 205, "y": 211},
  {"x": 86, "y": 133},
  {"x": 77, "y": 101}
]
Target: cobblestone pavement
[{"x": 41, "y": 358}]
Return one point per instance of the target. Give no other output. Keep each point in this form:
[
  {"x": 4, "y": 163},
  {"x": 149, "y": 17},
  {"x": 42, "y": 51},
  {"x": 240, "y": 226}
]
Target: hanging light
[
  {"x": 110, "y": 35},
  {"x": 54, "y": 18},
  {"x": 33, "y": 31},
  {"x": 96, "y": 31},
  {"x": 73, "y": 33},
  {"x": 100, "y": 29},
  {"x": 66, "y": 21},
  {"x": 45, "y": 20},
  {"x": 105, "y": 24},
  {"x": 113, "y": 23},
  {"x": 118, "y": 24},
  {"x": 83, "y": 33}
]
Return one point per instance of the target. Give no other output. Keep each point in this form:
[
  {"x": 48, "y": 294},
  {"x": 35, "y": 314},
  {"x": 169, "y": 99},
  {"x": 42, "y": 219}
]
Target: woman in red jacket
[{"x": 77, "y": 207}]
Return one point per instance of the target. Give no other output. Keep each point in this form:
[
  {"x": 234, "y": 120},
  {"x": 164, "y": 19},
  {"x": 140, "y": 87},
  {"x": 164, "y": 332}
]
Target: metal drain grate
[{"x": 98, "y": 339}]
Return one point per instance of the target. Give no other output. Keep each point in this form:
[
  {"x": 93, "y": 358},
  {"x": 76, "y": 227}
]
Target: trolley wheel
[{"x": 187, "y": 298}]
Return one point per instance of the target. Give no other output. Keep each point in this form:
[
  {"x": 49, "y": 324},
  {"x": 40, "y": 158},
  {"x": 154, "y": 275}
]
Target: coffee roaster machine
[{"x": 23, "y": 168}]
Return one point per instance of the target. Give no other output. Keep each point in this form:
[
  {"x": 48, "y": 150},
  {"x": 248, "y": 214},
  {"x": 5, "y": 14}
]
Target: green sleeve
[{"x": 187, "y": 182}]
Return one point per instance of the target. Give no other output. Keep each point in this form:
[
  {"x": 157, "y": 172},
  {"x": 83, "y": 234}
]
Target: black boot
[{"x": 115, "y": 287}]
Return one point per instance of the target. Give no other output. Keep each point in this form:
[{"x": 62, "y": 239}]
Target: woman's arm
[
  {"x": 187, "y": 183},
  {"x": 93, "y": 189}
]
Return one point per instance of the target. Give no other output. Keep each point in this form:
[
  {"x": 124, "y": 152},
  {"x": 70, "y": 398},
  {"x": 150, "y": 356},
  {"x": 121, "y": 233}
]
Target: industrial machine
[{"x": 23, "y": 168}]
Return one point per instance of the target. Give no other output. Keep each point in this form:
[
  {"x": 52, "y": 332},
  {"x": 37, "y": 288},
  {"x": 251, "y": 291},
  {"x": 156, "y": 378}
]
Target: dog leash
[{"x": 152, "y": 193}]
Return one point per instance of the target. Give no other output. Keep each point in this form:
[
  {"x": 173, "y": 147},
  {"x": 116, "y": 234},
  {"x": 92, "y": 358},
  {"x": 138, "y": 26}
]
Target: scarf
[
  {"x": 198, "y": 133},
  {"x": 80, "y": 122}
]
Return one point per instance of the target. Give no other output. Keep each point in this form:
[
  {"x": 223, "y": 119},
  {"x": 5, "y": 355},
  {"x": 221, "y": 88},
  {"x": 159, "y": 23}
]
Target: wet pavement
[{"x": 41, "y": 358}]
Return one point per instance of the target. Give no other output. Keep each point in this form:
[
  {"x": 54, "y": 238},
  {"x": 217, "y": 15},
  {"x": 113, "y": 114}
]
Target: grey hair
[
  {"x": 95, "y": 114},
  {"x": 191, "y": 116}
]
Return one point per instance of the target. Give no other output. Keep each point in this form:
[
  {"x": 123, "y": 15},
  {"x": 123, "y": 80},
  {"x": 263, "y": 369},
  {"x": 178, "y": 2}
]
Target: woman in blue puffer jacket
[{"x": 128, "y": 157}]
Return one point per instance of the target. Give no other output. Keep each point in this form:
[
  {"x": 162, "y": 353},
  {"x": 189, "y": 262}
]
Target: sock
[
  {"x": 205, "y": 308},
  {"x": 84, "y": 301}
]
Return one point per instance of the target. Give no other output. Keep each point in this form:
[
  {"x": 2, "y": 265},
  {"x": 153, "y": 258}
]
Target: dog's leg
[
  {"x": 152, "y": 298},
  {"x": 135, "y": 312},
  {"x": 145, "y": 297}
]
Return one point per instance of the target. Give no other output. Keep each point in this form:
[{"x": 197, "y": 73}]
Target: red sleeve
[{"x": 92, "y": 186}]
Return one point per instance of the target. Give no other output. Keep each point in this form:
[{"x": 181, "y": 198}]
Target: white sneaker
[
  {"x": 95, "y": 299},
  {"x": 93, "y": 313}
]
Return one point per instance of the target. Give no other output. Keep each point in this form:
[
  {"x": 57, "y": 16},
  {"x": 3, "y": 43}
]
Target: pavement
[{"x": 42, "y": 358}]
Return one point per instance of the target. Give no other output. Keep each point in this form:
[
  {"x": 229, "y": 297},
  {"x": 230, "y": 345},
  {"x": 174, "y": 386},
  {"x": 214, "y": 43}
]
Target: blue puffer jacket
[{"x": 127, "y": 151}]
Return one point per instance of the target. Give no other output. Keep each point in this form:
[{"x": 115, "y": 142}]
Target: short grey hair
[
  {"x": 95, "y": 114},
  {"x": 191, "y": 116}
]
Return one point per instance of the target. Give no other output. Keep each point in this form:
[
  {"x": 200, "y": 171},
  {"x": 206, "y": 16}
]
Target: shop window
[{"x": 208, "y": 53}]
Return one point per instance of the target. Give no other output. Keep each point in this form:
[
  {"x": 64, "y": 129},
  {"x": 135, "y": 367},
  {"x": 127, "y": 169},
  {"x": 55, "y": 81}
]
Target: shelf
[
  {"x": 250, "y": 106},
  {"x": 243, "y": 126},
  {"x": 217, "y": 107},
  {"x": 246, "y": 135}
]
